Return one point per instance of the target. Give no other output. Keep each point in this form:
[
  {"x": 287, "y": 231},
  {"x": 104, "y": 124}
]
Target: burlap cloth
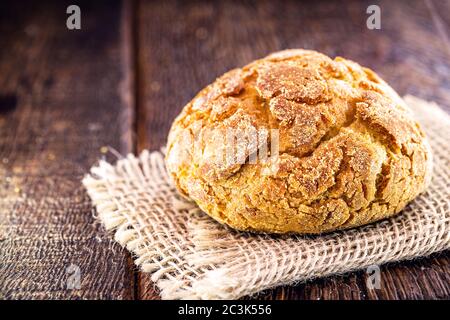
[{"x": 191, "y": 256}]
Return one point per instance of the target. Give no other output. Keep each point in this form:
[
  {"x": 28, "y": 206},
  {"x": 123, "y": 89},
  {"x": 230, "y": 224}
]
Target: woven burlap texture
[{"x": 190, "y": 256}]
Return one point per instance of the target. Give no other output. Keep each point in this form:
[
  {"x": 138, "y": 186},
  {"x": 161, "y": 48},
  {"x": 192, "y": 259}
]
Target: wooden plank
[
  {"x": 184, "y": 46},
  {"x": 63, "y": 98},
  {"x": 425, "y": 278}
]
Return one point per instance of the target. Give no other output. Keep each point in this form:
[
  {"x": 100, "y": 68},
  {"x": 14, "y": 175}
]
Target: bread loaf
[{"x": 342, "y": 148}]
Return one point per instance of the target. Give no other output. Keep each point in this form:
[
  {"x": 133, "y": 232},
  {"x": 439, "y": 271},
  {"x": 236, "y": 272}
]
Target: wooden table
[{"x": 66, "y": 97}]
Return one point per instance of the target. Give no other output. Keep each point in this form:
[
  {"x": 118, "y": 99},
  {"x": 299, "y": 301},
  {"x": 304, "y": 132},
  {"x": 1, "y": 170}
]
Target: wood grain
[
  {"x": 63, "y": 97},
  {"x": 184, "y": 46},
  {"x": 424, "y": 278}
]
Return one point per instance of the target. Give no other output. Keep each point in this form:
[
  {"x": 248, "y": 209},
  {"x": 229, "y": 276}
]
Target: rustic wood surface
[
  {"x": 61, "y": 103},
  {"x": 67, "y": 97}
]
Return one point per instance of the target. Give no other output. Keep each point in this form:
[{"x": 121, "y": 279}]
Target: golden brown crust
[{"x": 349, "y": 151}]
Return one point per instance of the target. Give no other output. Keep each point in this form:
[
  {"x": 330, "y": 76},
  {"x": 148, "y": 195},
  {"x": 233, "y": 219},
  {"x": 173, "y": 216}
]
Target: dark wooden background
[{"x": 67, "y": 97}]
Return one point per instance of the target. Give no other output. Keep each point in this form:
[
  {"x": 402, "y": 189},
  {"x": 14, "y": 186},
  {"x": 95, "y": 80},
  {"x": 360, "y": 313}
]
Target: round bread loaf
[{"x": 339, "y": 147}]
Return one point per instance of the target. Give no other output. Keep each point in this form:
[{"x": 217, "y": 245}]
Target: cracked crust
[{"x": 350, "y": 152}]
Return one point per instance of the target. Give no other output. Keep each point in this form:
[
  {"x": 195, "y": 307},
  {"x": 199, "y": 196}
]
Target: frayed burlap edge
[{"x": 190, "y": 256}]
